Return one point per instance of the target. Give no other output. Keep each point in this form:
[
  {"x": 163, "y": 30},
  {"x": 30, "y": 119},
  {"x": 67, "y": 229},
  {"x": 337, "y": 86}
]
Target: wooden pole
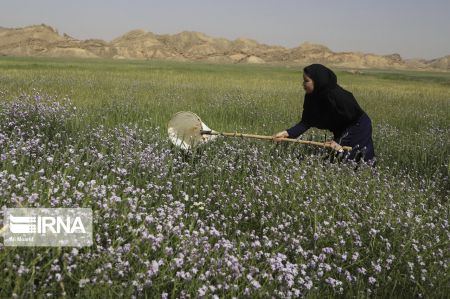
[{"x": 265, "y": 137}]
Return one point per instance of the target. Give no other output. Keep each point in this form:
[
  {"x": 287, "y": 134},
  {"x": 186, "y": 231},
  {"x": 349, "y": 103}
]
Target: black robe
[{"x": 329, "y": 106}]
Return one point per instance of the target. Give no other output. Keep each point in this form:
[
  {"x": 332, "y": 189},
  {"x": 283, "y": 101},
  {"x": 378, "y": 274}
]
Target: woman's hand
[
  {"x": 279, "y": 135},
  {"x": 334, "y": 145}
]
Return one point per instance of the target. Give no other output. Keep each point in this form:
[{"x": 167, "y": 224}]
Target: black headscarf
[{"x": 329, "y": 106}]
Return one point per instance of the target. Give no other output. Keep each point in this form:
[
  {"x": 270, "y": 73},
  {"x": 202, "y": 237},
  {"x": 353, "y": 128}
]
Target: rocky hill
[{"x": 43, "y": 40}]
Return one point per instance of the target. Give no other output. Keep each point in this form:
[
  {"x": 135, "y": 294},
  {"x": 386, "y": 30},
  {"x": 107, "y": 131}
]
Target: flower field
[{"x": 236, "y": 217}]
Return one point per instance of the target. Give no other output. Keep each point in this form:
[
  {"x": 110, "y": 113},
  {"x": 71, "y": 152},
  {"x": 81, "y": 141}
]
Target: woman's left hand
[{"x": 334, "y": 145}]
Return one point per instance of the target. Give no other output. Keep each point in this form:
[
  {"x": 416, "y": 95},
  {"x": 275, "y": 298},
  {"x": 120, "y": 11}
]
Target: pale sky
[{"x": 410, "y": 28}]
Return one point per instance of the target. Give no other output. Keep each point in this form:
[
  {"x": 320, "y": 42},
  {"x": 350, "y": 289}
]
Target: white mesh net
[{"x": 185, "y": 128}]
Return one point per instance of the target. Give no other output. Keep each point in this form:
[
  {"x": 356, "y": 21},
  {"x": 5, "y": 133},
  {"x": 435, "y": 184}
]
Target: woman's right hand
[{"x": 279, "y": 135}]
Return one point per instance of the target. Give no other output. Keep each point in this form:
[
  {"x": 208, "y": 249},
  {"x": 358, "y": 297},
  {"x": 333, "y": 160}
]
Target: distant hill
[{"x": 43, "y": 40}]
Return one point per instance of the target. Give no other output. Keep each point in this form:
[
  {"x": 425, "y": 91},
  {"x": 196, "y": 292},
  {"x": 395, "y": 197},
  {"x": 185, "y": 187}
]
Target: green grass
[
  {"x": 260, "y": 218},
  {"x": 243, "y": 98}
]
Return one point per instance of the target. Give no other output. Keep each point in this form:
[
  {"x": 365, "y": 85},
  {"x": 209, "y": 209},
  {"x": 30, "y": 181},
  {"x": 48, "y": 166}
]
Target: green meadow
[
  {"x": 260, "y": 99},
  {"x": 236, "y": 218},
  {"x": 410, "y": 110}
]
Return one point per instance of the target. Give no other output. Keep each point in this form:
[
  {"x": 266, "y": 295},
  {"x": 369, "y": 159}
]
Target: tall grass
[{"x": 236, "y": 218}]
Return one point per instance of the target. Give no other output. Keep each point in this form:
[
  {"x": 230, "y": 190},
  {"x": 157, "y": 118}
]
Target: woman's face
[{"x": 308, "y": 84}]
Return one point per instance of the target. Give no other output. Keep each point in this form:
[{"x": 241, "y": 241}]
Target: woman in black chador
[{"x": 329, "y": 106}]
